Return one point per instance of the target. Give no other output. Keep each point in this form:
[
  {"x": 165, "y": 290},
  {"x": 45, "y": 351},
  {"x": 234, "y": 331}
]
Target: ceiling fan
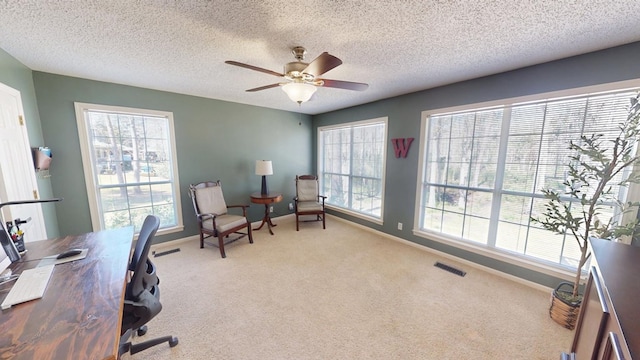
[{"x": 303, "y": 78}]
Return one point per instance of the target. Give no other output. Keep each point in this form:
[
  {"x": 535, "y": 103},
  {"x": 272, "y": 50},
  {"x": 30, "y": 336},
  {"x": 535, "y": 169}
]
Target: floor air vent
[
  {"x": 450, "y": 269},
  {"x": 155, "y": 254}
]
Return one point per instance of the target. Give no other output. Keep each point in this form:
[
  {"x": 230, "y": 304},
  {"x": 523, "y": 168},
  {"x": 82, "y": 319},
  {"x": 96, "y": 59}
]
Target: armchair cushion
[
  {"x": 304, "y": 206},
  {"x": 224, "y": 222},
  {"x": 211, "y": 201},
  {"x": 307, "y": 190}
]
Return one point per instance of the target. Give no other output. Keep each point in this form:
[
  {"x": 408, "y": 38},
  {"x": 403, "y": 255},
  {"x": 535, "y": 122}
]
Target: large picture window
[
  {"x": 483, "y": 170},
  {"x": 351, "y": 162},
  {"x": 129, "y": 164}
]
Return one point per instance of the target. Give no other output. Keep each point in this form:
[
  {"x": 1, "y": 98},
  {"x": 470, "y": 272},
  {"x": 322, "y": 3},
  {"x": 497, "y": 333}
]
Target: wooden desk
[
  {"x": 270, "y": 198},
  {"x": 80, "y": 314}
]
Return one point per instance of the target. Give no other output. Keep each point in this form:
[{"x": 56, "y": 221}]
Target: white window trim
[
  {"x": 385, "y": 120},
  {"x": 494, "y": 253},
  {"x": 356, "y": 214},
  {"x": 83, "y": 135}
]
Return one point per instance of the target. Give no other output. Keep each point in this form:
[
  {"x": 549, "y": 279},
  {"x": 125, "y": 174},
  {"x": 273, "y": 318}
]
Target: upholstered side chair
[
  {"x": 213, "y": 218},
  {"x": 308, "y": 200}
]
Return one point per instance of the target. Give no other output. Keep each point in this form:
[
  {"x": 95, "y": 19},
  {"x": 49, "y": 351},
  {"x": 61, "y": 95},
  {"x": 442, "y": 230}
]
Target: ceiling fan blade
[
  {"x": 251, "y": 67},
  {"x": 263, "y": 87},
  {"x": 322, "y": 64},
  {"x": 345, "y": 85}
]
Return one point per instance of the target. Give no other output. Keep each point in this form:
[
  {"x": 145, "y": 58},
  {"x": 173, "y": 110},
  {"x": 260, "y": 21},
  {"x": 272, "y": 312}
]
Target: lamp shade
[
  {"x": 264, "y": 167},
  {"x": 299, "y": 92}
]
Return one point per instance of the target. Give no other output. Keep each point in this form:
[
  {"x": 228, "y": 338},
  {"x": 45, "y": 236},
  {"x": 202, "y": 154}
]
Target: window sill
[
  {"x": 355, "y": 214},
  {"x": 510, "y": 258},
  {"x": 171, "y": 230}
]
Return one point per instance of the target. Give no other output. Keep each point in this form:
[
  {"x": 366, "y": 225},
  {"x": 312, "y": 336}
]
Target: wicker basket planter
[{"x": 562, "y": 311}]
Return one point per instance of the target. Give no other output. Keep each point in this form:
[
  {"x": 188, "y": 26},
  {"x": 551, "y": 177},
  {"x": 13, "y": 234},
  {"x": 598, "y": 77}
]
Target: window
[
  {"x": 129, "y": 164},
  {"x": 351, "y": 162},
  {"x": 482, "y": 171}
]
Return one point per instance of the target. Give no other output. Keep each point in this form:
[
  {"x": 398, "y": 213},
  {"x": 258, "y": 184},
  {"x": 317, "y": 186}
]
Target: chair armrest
[
  {"x": 207, "y": 216},
  {"x": 323, "y": 198},
  {"x": 243, "y": 206},
  {"x": 235, "y": 206},
  {"x": 139, "y": 310}
]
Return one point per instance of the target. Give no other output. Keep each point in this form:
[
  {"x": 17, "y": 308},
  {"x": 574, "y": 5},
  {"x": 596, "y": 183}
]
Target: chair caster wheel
[
  {"x": 173, "y": 342},
  {"x": 142, "y": 330}
]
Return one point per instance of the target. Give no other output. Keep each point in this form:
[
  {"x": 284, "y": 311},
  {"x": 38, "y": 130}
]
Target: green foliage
[{"x": 593, "y": 171}]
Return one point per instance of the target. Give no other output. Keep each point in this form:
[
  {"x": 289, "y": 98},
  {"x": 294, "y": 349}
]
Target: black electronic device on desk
[
  {"x": 7, "y": 243},
  {"x": 10, "y": 251},
  {"x": 69, "y": 253},
  {"x": 65, "y": 256}
]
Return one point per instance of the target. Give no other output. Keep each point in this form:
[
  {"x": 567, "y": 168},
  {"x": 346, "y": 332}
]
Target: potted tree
[{"x": 595, "y": 168}]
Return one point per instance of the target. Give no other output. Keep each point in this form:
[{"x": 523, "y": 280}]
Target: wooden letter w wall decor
[{"x": 401, "y": 146}]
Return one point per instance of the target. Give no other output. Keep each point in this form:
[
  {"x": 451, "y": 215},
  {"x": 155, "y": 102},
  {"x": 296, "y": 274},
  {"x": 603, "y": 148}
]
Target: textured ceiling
[{"x": 397, "y": 47}]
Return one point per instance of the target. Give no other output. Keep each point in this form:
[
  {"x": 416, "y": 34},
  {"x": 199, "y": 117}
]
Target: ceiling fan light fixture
[
  {"x": 303, "y": 79},
  {"x": 299, "y": 92}
]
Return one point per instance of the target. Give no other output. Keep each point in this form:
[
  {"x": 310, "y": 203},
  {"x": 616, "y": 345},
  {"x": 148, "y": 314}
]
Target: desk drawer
[{"x": 613, "y": 346}]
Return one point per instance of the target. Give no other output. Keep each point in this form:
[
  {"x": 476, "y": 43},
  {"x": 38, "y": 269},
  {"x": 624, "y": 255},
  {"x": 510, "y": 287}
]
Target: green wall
[
  {"x": 214, "y": 140},
  {"x": 404, "y": 113},
  {"x": 15, "y": 75}
]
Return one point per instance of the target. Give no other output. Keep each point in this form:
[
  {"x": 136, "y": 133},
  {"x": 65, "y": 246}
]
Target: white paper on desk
[{"x": 51, "y": 260}]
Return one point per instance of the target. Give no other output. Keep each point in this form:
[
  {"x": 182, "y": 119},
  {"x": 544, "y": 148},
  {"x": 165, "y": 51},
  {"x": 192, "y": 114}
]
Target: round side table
[{"x": 266, "y": 199}]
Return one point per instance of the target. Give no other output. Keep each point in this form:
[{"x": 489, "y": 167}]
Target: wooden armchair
[
  {"x": 213, "y": 219},
  {"x": 308, "y": 200}
]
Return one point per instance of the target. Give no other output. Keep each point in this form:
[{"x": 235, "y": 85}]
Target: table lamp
[{"x": 264, "y": 168}]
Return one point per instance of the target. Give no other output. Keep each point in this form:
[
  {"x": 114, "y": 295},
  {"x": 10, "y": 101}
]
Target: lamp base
[{"x": 264, "y": 190}]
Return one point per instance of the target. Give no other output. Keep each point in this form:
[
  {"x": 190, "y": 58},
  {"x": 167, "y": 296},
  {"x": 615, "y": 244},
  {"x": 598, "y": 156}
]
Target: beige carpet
[{"x": 342, "y": 293}]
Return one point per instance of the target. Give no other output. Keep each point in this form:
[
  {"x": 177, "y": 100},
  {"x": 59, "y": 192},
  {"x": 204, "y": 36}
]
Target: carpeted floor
[{"x": 342, "y": 293}]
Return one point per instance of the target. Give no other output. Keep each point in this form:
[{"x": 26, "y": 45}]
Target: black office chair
[{"x": 142, "y": 295}]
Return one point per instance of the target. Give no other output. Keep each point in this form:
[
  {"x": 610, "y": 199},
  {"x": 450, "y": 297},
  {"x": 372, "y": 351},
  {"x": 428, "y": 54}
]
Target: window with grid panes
[
  {"x": 484, "y": 169},
  {"x": 130, "y": 167},
  {"x": 351, "y": 160}
]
